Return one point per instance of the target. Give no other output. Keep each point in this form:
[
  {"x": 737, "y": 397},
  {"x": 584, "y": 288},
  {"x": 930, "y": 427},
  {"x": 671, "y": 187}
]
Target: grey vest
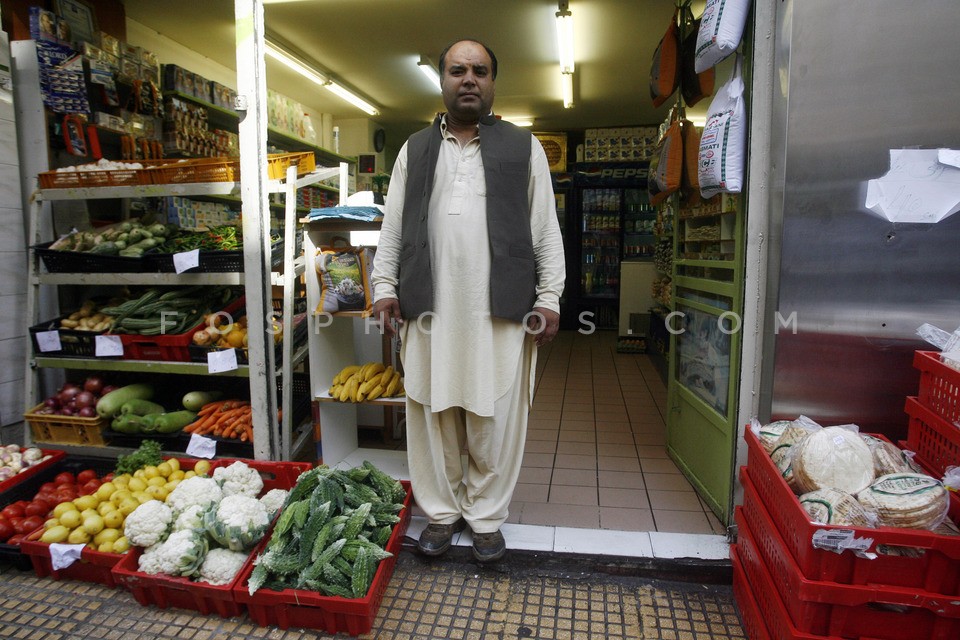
[{"x": 505, "y": 152}]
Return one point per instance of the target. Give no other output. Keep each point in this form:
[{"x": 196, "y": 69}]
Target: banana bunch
[{"x": 358, "y": 383}]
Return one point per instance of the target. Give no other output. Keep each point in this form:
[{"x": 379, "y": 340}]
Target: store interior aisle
[{"x": 596, "y": 445}]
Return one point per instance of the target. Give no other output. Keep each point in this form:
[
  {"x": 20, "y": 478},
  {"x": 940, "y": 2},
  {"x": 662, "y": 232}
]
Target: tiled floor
[{"x": 595, "y": 453}]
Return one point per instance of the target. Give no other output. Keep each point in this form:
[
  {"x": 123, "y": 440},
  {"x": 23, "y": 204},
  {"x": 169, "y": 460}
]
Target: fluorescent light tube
[
  {"x": 565, "y": 40},
  {"x": 352, "y": 98},
  {"x": 520, "y": 121},
  {"x": 567, "y": 81},
  {"x": 430, "y": 71},
  {"x": 286, "y": 59}
]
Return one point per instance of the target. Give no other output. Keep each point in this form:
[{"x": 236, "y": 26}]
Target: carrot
[{"x": 210, "y": 407}]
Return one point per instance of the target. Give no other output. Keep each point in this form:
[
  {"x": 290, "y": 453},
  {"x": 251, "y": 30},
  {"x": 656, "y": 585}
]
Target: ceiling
[{"x": 372, "y": 46}]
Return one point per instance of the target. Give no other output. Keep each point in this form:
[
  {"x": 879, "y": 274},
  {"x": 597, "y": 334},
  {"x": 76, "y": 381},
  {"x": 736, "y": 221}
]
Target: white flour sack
[
  {"x": 721, "y": 27},
  {"x": 722, "y": 156}
]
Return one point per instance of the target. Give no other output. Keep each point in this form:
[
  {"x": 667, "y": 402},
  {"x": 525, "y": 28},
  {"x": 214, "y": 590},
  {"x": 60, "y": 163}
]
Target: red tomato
[
  {"x": 64, "y": 477},
  {"x": 30, "y": 524},
  {"x": 16, "y": 521},
  {"x": 86, "y": 476},
  {"x": 48, "y": 486},
  {"x": 22, "y": 503},
  {"x": 15, "y": 538},
  {"x": 12, "y": 511},
  {"x": 6, "y": 530},
  {"x": 36, "y": 508},
  {"x": 108, "y": 477},
  {"x": 66, "y": 496}
]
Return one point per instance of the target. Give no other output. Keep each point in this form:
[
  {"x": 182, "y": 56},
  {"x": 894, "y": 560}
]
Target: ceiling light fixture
[
  {"x": 520, "y": 121},
  {"x": 567, "y": 81},
  {"x": 307, "y": 71},
  {"x": 565, "y": 37},
  {"x": 429, "y": 70}
]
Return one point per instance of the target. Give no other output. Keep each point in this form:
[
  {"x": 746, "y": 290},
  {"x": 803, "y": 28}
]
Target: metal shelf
[
  {"x": 235, "y": 278},
  {"x": 399, "y": 401},
  {"x": 149, "y": 366}
]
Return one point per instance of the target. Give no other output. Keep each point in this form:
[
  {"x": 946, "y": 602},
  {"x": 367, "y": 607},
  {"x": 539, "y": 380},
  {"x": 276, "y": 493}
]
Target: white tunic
[{"x": 459, "y": 356}]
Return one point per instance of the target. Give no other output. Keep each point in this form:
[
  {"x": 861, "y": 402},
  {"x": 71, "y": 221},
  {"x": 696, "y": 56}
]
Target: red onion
[
  {"x": 85, "y": 399},
  {"x": 67, "y": 393},
  {"x": 107, "y": 389},
  {"x": 87, "y": 412},
  {"x": 52, "y": 402},
  {"x": 67, "y": 410},
  {"x": 93, "y": 384}
]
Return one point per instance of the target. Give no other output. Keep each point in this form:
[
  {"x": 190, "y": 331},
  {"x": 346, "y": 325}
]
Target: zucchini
[
  {"x": 105, "y": 248},
  {"x": 128, "y": 423},
  {"x": 195, "y": 400},
  {"x": 140, "y": 407},
  {"x": 173, "y": 421},
  {"x": 109, "y": 405}
]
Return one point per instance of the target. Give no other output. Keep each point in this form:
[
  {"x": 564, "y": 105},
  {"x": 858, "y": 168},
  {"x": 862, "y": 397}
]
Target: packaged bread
[
  {"x": 888, "y": 457},
  {"x": 832, "y": 506},
  {"x": 908, "y": 500},
  {"x": 769, "y": 433},
  {"x": 834, "y": 457}
]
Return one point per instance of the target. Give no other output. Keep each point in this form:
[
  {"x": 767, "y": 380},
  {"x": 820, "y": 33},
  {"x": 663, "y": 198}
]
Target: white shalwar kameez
[{"x": 468, "y": 377}]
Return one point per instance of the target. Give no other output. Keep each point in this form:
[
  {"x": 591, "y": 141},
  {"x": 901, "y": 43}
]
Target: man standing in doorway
[{"x": 470, "y": 268}]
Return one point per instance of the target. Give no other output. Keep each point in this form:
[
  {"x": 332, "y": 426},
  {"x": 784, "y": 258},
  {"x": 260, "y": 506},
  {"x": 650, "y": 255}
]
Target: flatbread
[
  {"x": 770, "y": 433},
  {"x": 830, "y": 506},
  {"x": 833, "y": 457},
  {"x": 909, "y": 500}
]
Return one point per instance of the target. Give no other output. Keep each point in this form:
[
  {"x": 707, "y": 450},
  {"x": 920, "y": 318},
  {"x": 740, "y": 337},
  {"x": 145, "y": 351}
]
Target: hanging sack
[
  {"x": 344, "y": 276},
  {"x": 665, "y": 71},
  {"x": 721, "y": 27},
  {"x": 669, "y": 167},
  {"x": 722, "y": 155},
  {"x": 689, "y": 180},
  {"x": 693, "y": 86}
]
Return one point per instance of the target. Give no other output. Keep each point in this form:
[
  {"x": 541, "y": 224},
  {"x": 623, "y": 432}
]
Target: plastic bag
[
  {"x": 665, "y": 68},
  {"x": 721, "y": 28},
  {"x": 723, "y": 142},
  {"x": 344, "y": 275},
  {"x": 694, "y": 86},
  {"x": 669, "y": 168}
]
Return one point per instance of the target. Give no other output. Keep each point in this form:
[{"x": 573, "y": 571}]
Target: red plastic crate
[
  {"x": 165, "y": 591},
  {"x": 937, "y": 570},
  {"x": 750, "y": 617},
  {"x": 55, "y": 456},
  {"x": 311, "y": 610},
  {"x": 935, "y": 441},
  {"x": 93, "y": 566},
  {"x": 275, "y": 475},
  {"x": 165, "y": 348},
  {"x": 939, "y": 385},
  {"x": 827, "y": 608}
]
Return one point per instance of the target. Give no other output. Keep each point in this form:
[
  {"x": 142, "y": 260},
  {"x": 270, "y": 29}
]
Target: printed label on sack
[
  {"x": 905, "y": 485},
  {"x": 220, "y": 361},
  {"x": 48, "y": 341},
  {"x": 107, "y": 346},
  {"x": 186, "y": 260}
]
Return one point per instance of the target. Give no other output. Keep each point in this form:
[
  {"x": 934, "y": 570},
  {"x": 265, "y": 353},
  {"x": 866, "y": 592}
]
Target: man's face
[{"x": 467, "y": 83}]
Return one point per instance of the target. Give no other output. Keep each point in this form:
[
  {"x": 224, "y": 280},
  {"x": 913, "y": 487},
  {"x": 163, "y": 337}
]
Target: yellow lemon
[
  {"x": 150, "y": 471},
  {"x": 127, "y": 506},
  {"x": 78, "y": 536},
  {"x": 114, "y": 519},
  {"x": 86, "y": 502},
  {"x": 121, "y": 544},
  {"x": 174, "y": 464},
  {"x": 170, "y": 486},
  {"x": 106, "y": 507},
  {"x": 202, "y": 467},
  {"x": 62, "y": 508},
  {"x": 51, "y": 523},
  {"x": 121, "y": 482},
  {"x": 139, "y": 474},
  {"x": 105, "y": 547},
  {"x": 164, "y": 469},
  {"x": 106, "y": 535},
  {"x": 177, "y": 475},
  {"x": 120, "y": 496},
  {"x": 86, "y": 513},
  {"x": 71, "y": 519},
  {"x": 142, "y": 496},
  {"x": 156, "y": 481},
  {"x": 137, "y": 484},
  {"x": 55, "y": 534},
  {"x": 157, "y": 493},
  {"x": 189, "y": 474},
  {"x": 105, "y": 491}
]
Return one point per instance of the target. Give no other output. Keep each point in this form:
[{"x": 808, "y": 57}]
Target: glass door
[{"x": 600, "y": 244}]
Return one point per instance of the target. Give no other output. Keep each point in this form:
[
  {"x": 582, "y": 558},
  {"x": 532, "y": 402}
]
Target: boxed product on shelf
[
  {"x": 912, "y": 558},
  {"x": 296, "y": 608}
]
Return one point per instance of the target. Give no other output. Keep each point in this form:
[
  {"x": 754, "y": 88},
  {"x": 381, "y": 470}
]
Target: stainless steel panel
[{"x": 859, "y": 78}]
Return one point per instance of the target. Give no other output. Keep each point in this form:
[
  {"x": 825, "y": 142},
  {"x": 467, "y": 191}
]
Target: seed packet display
[{"x": 344, "y": 275}]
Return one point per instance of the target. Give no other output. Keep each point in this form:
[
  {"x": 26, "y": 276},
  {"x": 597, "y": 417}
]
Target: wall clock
[{"x": 379, "y": 140}]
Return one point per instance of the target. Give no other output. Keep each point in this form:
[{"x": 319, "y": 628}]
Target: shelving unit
[{"x": 262, "y": 372}]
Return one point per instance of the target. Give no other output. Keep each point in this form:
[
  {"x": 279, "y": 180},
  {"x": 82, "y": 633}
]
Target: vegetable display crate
[
  {"x": 94, "y": 178},
  {"x": 939, "y": 385},
  {"x": 199, "y": 353},
  {"x": 85, "y": 262},
  {"x": 210, "y": 261},
  {"x": 54, "y": 429},
  {"x": 73, "y": 342},
  {"x": 167, "y": 441},
  {"x": 277, "y": 164},
  {"x": 166, "y": 348},
  {"x": 93, "y": 566},
  {"x": 827, "y": 608},
  {"x": 296, "y": 608},
  {"x": 195, "y": 170},
  {"x": 930, "y": 562},
  {"x": 751, "y": 620},
  {"x": 935, "y": 441},
  {"x": 24, "y": 486}
]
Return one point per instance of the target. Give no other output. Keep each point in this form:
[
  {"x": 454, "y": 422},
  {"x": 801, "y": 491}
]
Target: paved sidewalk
[{"x": 546, "y": 597}]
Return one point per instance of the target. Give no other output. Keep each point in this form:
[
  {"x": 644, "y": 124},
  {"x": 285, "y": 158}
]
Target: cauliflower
[
  {"x": 221, "y": 566},
  {"x": 197, "y": 490},
  {"x": 179, "y": 555},
  {"x": 147, "y": 524},
  {"x": 191, "y": 518},
  {"x": 273, "y": 501},
  {"x": 150, "y": 561},
  {"x": 237, "y": 523},
  {"x": 238, "y": 479}
]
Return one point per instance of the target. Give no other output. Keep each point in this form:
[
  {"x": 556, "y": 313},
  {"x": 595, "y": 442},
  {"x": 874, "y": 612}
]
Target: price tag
[
  {"x": 48, "y": 340},
  {"x": 201, "y": 447},
  {"x": 107, "y": 346},
  {"x": 64, "y": 555},
  {"x": 186, "y": 260},
  {"x": 840, "y": 540},
  {"x": 220, "y": 361}
]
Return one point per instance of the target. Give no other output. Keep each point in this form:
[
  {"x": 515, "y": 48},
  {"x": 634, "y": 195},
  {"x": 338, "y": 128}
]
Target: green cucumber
[
  {"x": 173, "y": 421},
  {"x": 195, "y": 400},
  {"x": 140, "y": 407},
  {"x": 109, "y": 405}
]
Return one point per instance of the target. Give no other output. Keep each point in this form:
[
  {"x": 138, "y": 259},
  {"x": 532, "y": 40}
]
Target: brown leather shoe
[
  {"x": 489, "y": 547},
  {"x": 436, "y": 538}
]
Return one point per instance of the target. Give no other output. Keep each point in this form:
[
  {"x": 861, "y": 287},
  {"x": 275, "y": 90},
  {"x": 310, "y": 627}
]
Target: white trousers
[{"x": 480, "y": 488}]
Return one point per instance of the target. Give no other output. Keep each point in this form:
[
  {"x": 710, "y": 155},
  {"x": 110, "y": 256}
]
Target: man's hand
[
  {"x": 544, "y": 324},
  {"x": 385, "y": 311}
]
